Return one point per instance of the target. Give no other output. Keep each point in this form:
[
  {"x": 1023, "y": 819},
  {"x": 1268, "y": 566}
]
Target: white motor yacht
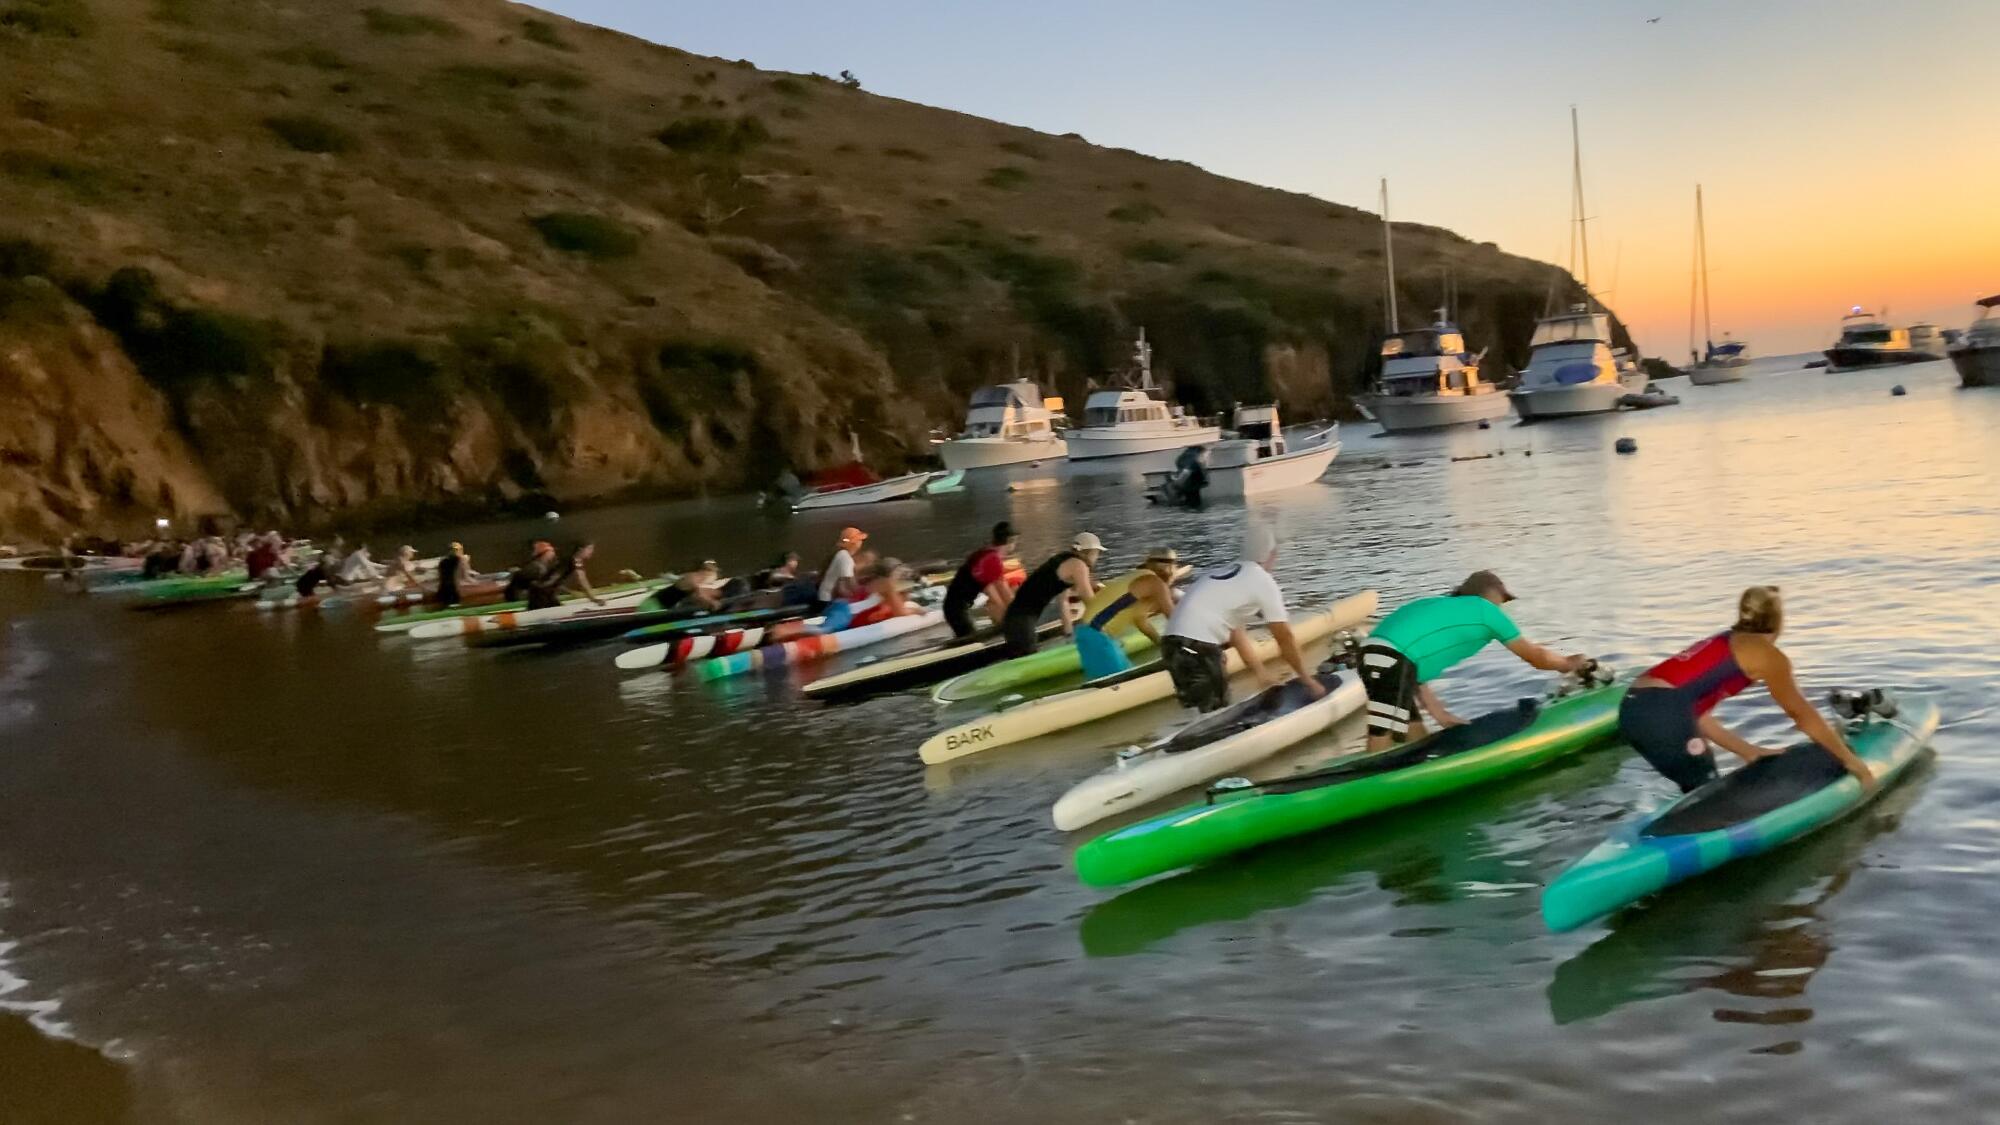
[
  {"x": 1428, "y": 381},
  {"x": 1131, "y": 424},
  {"x": 1572, "y": 369},
  {"x": 1866, "y": 340},
  {"x": 1007, "y": 424},
  {"x": 1724, "y": 362},
  {"x": 1977, "y": 353}
]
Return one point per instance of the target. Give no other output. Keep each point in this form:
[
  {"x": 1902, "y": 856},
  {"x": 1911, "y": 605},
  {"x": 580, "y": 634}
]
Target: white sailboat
[
  {"x": 1724, "y": 362},
  {"x": 1132, "y": 424},
  {"x": 1572, "y": 368},
  {"x": 1429, "y": 381}
]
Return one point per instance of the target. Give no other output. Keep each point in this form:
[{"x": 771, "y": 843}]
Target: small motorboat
[
  {"x": 1649, "y": 398},
  {"x": 1257, "y": 458}
]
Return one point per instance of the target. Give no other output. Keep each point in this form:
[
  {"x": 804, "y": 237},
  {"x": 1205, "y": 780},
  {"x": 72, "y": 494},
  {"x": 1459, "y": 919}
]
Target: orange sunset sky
[{"x": 1842, "y": 145}]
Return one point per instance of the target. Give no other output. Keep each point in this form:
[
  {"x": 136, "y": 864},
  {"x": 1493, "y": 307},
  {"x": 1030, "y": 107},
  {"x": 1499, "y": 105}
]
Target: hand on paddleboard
[
  {"x": 1864, "y": 775},
  {"x": 1314, "y": 688}
]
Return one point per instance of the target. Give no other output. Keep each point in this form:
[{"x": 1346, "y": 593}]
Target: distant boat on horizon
[
  {"x": 1725, "y": 362},
  {"x": 1868, "y": 340}
]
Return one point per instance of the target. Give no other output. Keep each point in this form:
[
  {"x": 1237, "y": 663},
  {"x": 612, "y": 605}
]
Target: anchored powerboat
[
  {"x": 1430, "y": 382},
  {"x": 1977, "y": 353},
  {"x": 1009, "y": 424},
  {"x": 1255, "y": 458},
  {"x": 1133, "y": 424},
  {"x": 1572, "y": 369},
  {"x": 1866, "y": 340}
]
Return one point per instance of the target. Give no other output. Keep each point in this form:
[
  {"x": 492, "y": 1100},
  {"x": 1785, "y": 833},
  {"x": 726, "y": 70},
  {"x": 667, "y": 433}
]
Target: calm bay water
[{"x": 260, "y": 868}]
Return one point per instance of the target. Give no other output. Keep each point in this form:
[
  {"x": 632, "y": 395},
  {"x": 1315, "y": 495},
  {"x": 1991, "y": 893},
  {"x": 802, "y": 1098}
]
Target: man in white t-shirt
[
  {"x": 836, "y": 582},
  {"x": 1214, "y": 612}
]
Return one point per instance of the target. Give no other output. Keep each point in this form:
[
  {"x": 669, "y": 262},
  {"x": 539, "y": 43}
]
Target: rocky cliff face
[{"x": 292, "y": 262}]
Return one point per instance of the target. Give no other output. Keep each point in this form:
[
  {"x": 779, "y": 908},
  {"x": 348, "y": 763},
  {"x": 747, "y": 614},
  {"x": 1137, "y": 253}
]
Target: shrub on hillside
[
  {"x": 383, "y": 373},
  {"x": 691, "y": 379},
  {"x": 1138, "y": 211},
  {"x": 382, "y": 21},
  {"x": 593, "y": 236},
  {"x": 172, "y": 344},
  {"x": 714, "y": 136},
  {"x": 35, "y": 167},
  {"x": 57, "y": 19},
  {"x": 306, "y": 133},
  {"x": 901, "y": 153},
  {"x": 20, "y": 258},
  {"x": 545, "y": 33},
  {"x": 790, "y": 87},
  {"x": 1006, "y": 177},
  {"x": 1153, "y": 250},
  {"x": 1022, "y": 148},
  {"x": 515, "y": 77}
]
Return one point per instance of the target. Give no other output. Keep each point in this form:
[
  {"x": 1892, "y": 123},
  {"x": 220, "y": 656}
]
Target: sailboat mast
[
  {"x": 1389, "y": 257},
  {"x": 1701, "y": 236},
  {"x": 1694, "y": 276},
  {"x": 1576, "y": 167}
]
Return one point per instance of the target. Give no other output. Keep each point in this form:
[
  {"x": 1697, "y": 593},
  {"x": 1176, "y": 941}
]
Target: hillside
[{"x": 297, "y": 262}]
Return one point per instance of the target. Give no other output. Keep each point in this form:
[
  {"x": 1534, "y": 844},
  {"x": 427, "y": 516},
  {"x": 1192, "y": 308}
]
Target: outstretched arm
[
  {"x": 1288, "y": 647},
  {"x": 1548, "y": 660},
  {"x": 1247, "y": 653},
  {"x": 1785, "y": 692}
]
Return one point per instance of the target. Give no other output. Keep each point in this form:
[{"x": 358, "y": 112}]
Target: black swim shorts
[
  {"x": 1196, "y": 668},
  {"x": 1391, "y": 681},
  {"x": 1660, "y": 725}
]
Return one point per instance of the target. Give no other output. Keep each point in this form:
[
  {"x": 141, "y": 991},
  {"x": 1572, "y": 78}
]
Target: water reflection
[
  {"x": 1428, "y": 855},
  {"x": 1752, "y": 931}
]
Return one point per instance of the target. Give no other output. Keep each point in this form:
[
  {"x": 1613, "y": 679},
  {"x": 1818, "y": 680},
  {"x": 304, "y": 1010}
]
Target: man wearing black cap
[
  {"x": 983, "y": 572},
  {"x": 1425, "y": 638}
]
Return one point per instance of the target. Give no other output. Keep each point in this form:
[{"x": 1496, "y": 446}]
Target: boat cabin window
[
  {"x": 1568, "y": 329},
  {"x": 1865, "y": 336},
  {"x": 1455, "y": 380},
  {"x": 1424, "y": 343},
  {"x": 991, "y": 396}
]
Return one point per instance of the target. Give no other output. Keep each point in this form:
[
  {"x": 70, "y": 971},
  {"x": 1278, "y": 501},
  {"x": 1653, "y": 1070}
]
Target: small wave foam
[{"x": 15, "y": 991}]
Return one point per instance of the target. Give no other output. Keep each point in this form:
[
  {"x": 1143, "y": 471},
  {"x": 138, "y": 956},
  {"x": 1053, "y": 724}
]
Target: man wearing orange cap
[{"x": 836, "y": 579}]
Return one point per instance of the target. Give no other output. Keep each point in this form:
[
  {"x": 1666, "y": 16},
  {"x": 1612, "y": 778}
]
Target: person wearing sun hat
[
  {"x": 1122, "y": 605},
  {"x": 1065, "y": 577},
  {"x": 1423, "y": 639}
]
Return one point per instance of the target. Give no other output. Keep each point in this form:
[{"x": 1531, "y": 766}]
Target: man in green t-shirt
[{"x": 1421, "y": 640}]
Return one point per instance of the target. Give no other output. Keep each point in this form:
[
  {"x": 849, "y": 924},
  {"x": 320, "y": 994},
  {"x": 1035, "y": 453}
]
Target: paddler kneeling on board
[
  {"x": 1214, "y": 612},
  {"x": 880, "y": 598},
  {"x": 1064, "y": 577},
  {"x": 1423, "y": 639},
  {"x": 1666, "y": 714},
  {"x": 984, "y": 571},
  {"x": 1121, "y": 606}
]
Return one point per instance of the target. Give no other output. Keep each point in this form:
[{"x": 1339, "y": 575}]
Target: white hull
[
  {"x": 1274, "y": 474},
  {"x": 994, "y": 453},
  {"x": 895, "y": 488},
  {"x": 1978, "y": 366},
  {"x": 1155, "y": 774},
  {"x": 1402, "y": 414},
  {"x": 1111, "y": 441},
  {"x": 1703, "y": 375},
  {"x": 1567, "y": 402}
]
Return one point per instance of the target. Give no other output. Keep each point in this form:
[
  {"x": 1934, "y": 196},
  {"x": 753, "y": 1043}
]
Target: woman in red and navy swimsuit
[{"x": 1666, "y": 714}]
